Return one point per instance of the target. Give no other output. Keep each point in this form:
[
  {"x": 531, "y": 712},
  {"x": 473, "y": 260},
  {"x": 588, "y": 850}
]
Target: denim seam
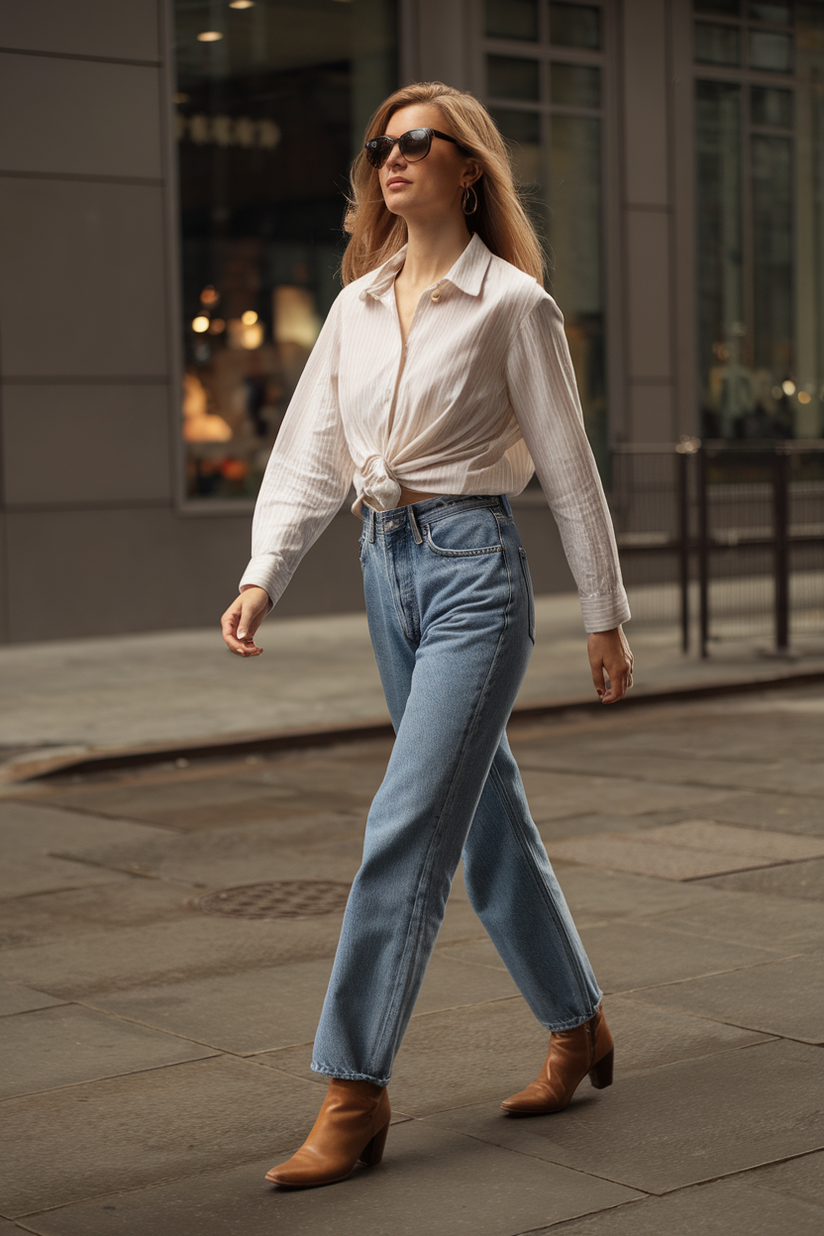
[
  {"x": 575, "y": 965},
  {"x": 417, "y": 916},
  {"x": 390, "y": 574}
]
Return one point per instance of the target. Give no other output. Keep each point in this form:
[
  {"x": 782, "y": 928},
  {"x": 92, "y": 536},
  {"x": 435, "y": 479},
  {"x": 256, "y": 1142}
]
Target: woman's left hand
[{"x": 611, "y": 661}]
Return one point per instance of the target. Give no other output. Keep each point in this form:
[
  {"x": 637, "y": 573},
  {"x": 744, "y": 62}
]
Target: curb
[{"x": 345, "y": 732}]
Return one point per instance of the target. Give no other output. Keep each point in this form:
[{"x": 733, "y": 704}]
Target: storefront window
[
  {"x": 272, "y": 100},
  {"x": 547, "y": 102},
  {"x": 760, "y": 224}
]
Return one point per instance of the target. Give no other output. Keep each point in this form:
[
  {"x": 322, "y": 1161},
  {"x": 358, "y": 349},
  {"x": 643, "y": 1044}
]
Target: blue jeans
[{"x": 451, "y": 618}]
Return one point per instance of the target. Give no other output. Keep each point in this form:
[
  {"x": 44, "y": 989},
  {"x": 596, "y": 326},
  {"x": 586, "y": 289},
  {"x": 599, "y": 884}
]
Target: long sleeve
[
  {"x": 309, "y": 471},
  {"x": 544, "y": 397}
]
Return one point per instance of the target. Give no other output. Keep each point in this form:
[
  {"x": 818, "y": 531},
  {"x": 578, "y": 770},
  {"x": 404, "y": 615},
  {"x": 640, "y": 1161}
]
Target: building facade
[{"x": 171, "y": 181}]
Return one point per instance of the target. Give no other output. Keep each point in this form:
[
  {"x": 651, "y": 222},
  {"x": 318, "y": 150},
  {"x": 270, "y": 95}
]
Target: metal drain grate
[{"x": 277, "y": 899}]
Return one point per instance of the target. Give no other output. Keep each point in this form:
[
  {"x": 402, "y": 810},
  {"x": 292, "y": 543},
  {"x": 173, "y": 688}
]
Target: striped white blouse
[{"x": 482, "y": 395}]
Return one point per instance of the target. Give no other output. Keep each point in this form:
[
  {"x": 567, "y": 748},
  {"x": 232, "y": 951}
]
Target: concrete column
[{"x": 647, "y": 222}]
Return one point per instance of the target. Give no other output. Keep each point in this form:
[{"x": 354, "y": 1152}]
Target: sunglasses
[{"x": 414, "y": 145}]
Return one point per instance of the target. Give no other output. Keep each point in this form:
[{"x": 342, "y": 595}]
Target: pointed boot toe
[
  {"x": 586, "y": 1049},
  {"x": 351, "y": 1126}
]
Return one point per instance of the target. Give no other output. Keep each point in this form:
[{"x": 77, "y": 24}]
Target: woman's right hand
[{"x": 242, "y": 619}]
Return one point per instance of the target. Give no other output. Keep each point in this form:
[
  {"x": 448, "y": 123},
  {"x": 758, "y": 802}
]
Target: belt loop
[
  {"x": 370, "y": 525},
  {"x": 413, "y": 523},
  {"x": 505, "y": 505}
]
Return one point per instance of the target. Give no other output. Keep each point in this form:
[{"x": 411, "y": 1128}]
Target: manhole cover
[{"x": 277, "y": 899}]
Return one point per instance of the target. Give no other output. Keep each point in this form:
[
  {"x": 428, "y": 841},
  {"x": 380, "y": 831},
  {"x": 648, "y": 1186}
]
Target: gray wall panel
[
  {"x": 82, "y": 288},
  {"x": 148, "y": 569},
  {"x": 4, "y": 583},
  {"x": 122, "y": 29},
  {"x": 79, "y": 117},
  {"x": 86, "y": 444},
  {"x": 645, "y": 102},
  {"x": 651, "y": 412},
  {"x": 648, "y": 293}
]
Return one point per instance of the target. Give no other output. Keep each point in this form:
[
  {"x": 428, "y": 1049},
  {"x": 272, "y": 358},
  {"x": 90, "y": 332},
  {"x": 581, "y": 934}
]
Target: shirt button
[
  {"x": 436, "y": 296},
  {"x": 363, "y": 296}
]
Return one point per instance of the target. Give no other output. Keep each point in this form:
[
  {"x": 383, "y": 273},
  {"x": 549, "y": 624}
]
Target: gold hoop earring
[{"x": 470, "y": 196}]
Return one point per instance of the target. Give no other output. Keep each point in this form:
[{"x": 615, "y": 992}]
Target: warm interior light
[
  {"x": 209, "y": 296},
  {"x": 217, "y": 326},
  {"x": 249, "y": 317},
  {"x": 252, "y": 336},
  {"x": 788, "y": 387},
  {"x": 241, "y": 4},
  {"x": 803, "y": 397},
  {"x": 200, "y": 323},
  {"x": 209, "y": 36}
]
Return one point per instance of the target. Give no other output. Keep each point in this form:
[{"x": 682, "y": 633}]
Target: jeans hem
[
  {"x": 574, "y": 1022},
  {"x": 328, "y": 1070}
]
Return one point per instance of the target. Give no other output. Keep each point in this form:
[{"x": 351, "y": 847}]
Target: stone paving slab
[
  {"x": 195, "y": 946},
  {"x": 724, "y": 1208},
  {"x": 802, "y": 1177},
  {"x": 804, "y": 881},
  {"x": 62, "y": 1046},
  {"x": 627, "y": 956},
  {"x": 132, "y": 1131},
  {"x": 560, "y": 794},
  {"x": 792, "y": 813},
  {"x": 596, "y": 895},
  {"x": 130, "y": 902},
  {"x": 785, "y": 997},
  {"x": 709, "y": 835},
  {"x": 772, "y": 923},
  {"x": 785, "y": 776},
  {"x": 518, "y": 1194},
  {"x": 674, "y": 1126},
  {"x": 35, "y": 839},
  {"x": 15, "y": 998},
  {"x": 224, "y": 857},
  {"x": 198, "y": 946},
  {"x": 268, "y": 1009},
  {"x": 191, "y": 805}
]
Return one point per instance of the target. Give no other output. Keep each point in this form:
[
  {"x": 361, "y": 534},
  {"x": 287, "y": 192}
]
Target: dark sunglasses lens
[
  {"x": 377, "y": 150},
  {"x": 415, "y": 144}
]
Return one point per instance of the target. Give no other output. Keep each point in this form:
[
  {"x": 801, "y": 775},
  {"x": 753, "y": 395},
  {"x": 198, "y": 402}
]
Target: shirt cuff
[{"x": 605, "y": 611}]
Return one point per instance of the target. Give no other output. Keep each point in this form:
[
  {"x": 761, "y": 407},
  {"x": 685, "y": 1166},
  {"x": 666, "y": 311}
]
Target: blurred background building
[{"x": 171, "y": 198}]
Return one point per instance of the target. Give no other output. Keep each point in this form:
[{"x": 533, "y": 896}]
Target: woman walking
[{"x": 440, "y": 381}]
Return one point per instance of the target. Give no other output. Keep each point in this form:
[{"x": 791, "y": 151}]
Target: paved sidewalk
[
  {"x": 156, "y": 1056},
  {"x": 63, "y": 700}
]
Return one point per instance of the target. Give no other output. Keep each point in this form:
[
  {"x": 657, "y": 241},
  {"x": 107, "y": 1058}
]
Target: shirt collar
[{"x": 467, "y": 274}]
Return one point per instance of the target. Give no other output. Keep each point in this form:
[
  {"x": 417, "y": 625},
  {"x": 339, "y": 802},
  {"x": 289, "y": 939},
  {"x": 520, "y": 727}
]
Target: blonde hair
[{"x": 500, "y": 220}]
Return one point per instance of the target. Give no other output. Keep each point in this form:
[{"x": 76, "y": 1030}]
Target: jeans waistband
[{"x": 428, "y": 511}]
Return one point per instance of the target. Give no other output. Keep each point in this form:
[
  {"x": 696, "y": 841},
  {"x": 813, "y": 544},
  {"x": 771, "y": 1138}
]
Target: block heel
[
  {"x": 373, "y": 1153},
  {"x": 601, "y": 1074}
]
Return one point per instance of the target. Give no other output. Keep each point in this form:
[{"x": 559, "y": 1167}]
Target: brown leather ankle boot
[
  {"x": 352, "y": 1125},
  {"x": 572, "y": 1054}
]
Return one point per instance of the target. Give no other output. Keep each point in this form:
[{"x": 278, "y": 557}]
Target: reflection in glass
[
  {"x": 770, "y": 51},
  {"x": 512, "y": 19},
  {"x": 267, "y": 120},
  {"x": 726, "y": 390},
  {"x": 578, "y": 85},
  {"x": 781, "y": 14},
  {"x": 511, "y": 77},
  {"x": 771, "y": 106},
  {"x": 772, "y": 258},
  {"x": 729, "y": 8},
  {"x": 522, "y": 131},
  {"x": 576, "y": 249},
  {"x": 575, "y": 25},
  {"x": 717, "y": 44}
]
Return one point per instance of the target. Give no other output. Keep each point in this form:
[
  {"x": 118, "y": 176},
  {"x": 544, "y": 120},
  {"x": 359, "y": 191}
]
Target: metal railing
[{"x": 725, "y": 536}]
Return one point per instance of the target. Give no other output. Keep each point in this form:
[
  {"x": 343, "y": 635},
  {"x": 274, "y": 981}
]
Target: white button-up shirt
[{"x": 482, "y": 394}]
